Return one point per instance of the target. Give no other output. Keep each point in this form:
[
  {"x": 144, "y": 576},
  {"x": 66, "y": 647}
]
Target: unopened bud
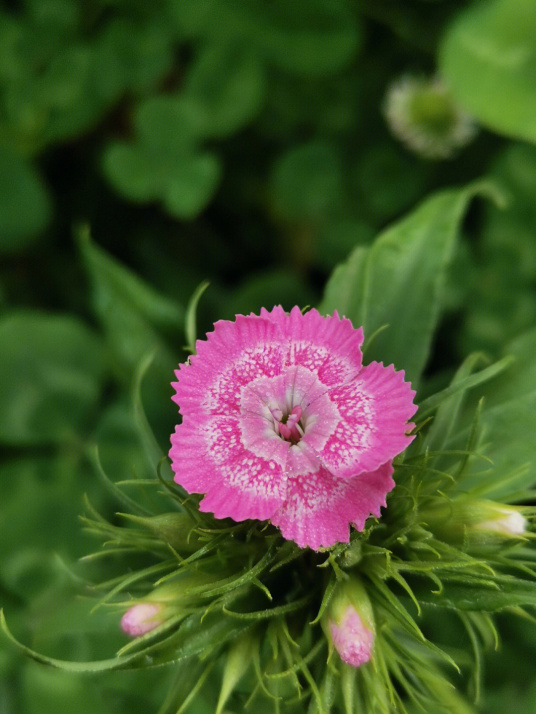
[
  {"x": 165, "y": 601},
  {"x": 174, "y": 529},
  {"x": 349, "y": 623},
  {"x": 142, "y": 618},
  {"x": 477, "y": 522}
]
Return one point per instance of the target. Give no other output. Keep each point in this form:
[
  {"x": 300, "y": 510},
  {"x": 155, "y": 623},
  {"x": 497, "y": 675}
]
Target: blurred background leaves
[{"x": 243, "y": 142}]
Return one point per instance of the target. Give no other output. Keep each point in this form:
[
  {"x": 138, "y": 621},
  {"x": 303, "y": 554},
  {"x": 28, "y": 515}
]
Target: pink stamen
[{"x": 289, "y": 429}]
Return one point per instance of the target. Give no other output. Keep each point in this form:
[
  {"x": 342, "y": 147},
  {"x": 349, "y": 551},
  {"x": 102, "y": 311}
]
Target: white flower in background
[{"x": 423, "y": 115}]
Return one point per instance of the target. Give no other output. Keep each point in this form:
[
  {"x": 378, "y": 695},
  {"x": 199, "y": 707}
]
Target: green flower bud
[
  {"x": 174, "y": 529},
  {"x": 477, "y": 522}
]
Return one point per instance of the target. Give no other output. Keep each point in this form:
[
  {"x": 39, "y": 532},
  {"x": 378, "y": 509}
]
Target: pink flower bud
[
  {"x": 141, "y": 618},
  {"x": 352, "y": 639},
  {"x": 349, "y": 623}
]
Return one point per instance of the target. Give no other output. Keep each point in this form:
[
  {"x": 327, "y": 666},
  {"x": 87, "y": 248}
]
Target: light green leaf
[
  {"x": 398, "y": 281},
  {"x": 134, "y": 172},
  {"x": 190, "y": 328},
  {"x": 488, "y": 58},
  {"x": 167, "y": 123},
  {"x": 52, "y": 369},
  {"x": 507, "y": 423}
]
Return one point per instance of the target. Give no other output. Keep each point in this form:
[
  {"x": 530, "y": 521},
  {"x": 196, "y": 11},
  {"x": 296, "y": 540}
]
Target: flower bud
[
  {"x": 166, "y": 600},
  {"x": 507, "y": 522},
  {"x": 423, "y": 115},
  {"x": 477, "y": 522},
  {"x": 174, "y": 529},
  {"x": 349, "y": 623},
  {"x": 142, "y": 618}
]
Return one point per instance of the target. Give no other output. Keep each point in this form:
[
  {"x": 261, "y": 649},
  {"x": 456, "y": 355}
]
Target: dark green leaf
[
  {"x": 183, "y": 180},
  {"x": 225, "y": 88},
  {"x": 307, "y": 181},
  {"x": 52, "y": 369},
  {"x": 25, "y": 207},
  {"x": 130, "y": 310}
]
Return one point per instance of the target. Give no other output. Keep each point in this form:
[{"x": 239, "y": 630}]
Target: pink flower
[
  {"x": 141, "y": 618},
  {"x": 281, "y": 421}
]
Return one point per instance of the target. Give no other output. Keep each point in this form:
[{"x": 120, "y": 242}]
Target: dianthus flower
[{"x": 281, "y": 421}]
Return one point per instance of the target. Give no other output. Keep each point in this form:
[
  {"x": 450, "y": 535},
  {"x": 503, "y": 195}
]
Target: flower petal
[
  {"x": 374, "y": 410},
  {"x": 319, "y": 507},
  {"x": 330, "y": 347},
  {"x": 208, "y": 456},
  {"x": 233, "y": 355}
]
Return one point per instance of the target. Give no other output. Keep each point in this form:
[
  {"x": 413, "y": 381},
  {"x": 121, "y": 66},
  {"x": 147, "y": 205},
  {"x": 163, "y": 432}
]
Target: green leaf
[
  {"x": 489, "y": 61},
  {"x": 225, "y": 87},
  {"x": 502, "y": 592},
  {"x": 274, "y": 287},
  {"x": 388, "y": 180},
  {"x": 81, "y": 667},
  {"x": 463, "y": 380},
  {"x": 25, "y": 206},
  {"x": 315, "y": 40},
  {"x": 507, "y": 423},
  {"x": 131, "y": 311},
  {"x": 398, "y": 281},
  {"x": 41, "y": 497},
  {"x": 158, "y": 119},
  {"x": 502, "y": 303},
  {"x": 307, "y": 181},
  {"x": 190, "y": 327},
  {"x": 127, "y": 56},
  {"x": 192, "y": 184},
  {"x": 52, "y": 369},
  {"x": 184, "y": 181}
]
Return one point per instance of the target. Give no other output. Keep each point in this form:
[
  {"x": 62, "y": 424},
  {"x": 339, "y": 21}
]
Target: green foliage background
[{"x": 147, "y": 146}]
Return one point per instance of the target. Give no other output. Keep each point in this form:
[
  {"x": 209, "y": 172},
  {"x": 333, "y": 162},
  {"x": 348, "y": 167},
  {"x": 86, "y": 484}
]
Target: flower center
[{"x": 287, "y": 425}]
